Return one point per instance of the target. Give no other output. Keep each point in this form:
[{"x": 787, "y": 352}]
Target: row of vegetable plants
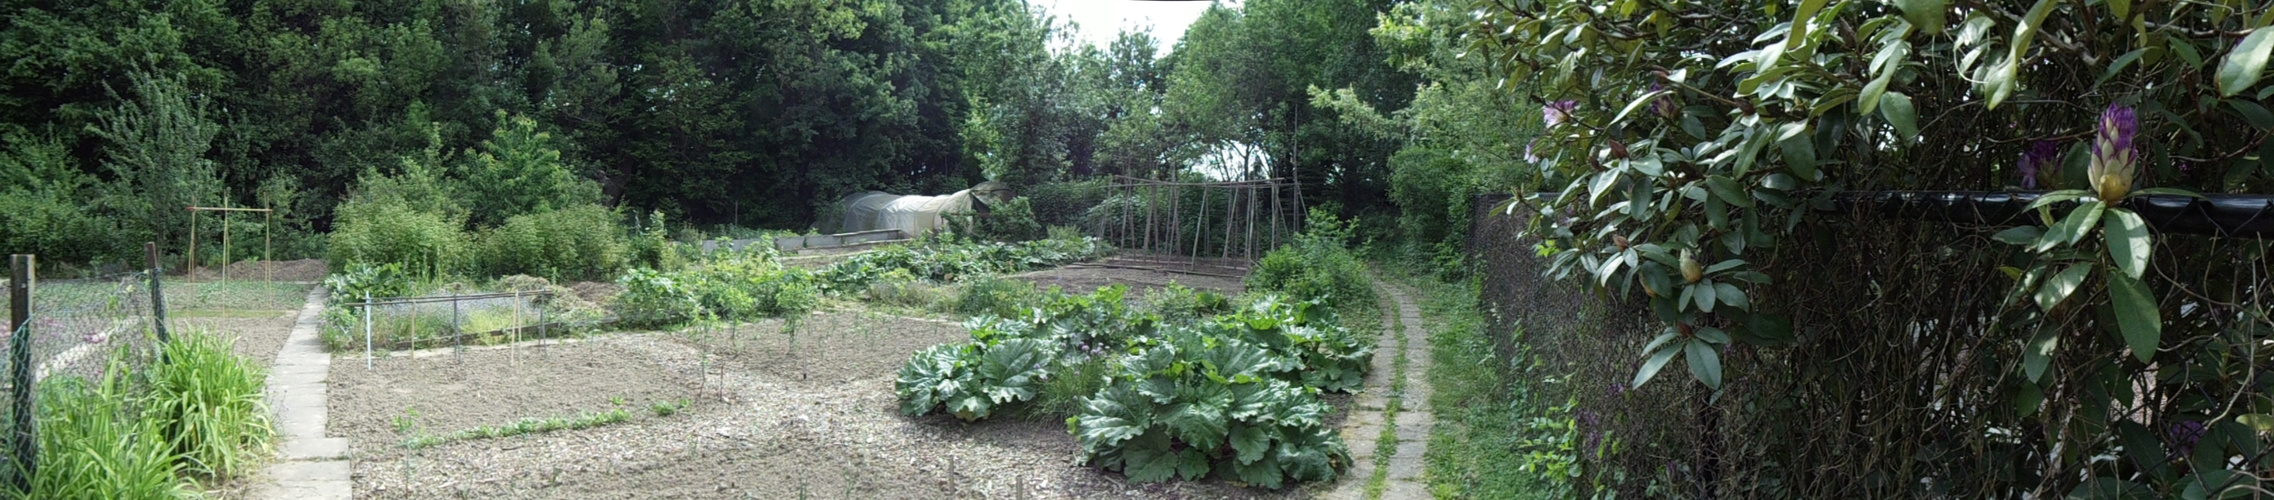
[
  {"x": 1200, "y": 389},
  {"x": 755, "y": 283}
]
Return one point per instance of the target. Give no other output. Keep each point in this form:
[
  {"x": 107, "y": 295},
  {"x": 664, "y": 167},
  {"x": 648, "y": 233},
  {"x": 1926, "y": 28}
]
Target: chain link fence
[
  {"x": 82, "y": 329},
  {"x": 1903, "y": 380}
]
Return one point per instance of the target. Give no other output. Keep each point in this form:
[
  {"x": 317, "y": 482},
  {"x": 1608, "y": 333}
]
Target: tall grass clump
[
  {"x": 208, "y": 401},
  {"x": 97, "y": 444}
]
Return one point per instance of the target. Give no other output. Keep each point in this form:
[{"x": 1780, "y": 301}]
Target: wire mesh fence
[
  {"x": 67, "y": 331},
  {"x": 455, "y": 321},
  {"x": 1905, "y": 379}
]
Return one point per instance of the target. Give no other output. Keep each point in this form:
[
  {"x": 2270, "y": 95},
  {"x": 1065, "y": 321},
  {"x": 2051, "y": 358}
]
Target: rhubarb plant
[
  {"x": 1187, "y": 404},
  {"x": 972, "y": 380}
]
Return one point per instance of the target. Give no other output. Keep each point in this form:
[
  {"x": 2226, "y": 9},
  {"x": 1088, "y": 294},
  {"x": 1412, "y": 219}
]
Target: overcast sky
[{"x": 1100, "y": 20}]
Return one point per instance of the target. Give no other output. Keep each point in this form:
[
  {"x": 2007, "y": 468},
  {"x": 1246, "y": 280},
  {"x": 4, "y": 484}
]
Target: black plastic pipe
[{"x": 2226, "y": 215}]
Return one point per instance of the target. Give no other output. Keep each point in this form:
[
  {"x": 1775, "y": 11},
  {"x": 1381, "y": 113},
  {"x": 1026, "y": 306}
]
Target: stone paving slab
[
  {"x": 1363, "y": 430},
  {"x": 312, "y": 467}
]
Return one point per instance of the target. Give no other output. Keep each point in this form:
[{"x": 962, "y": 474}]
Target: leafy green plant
[
  {"x": 1178, "y": 303},
  {"x": 1332, "y": 359},
  {"x": 1002, "y": 297},
  {"x": 1185, "y": 404},
  {"x": 573, "y": 242},
  {"x": 654, "y": 298},
  {"x": 208, "y": 400},
  {"x": 1316, "y": 267},
  {"x": 382, "y": 281},
  {"x": 97, "y": 445},
  {"x": 525, "y": 426},
  {"x": 385, "y": 231},
  {"x": 973, "y": 380}
]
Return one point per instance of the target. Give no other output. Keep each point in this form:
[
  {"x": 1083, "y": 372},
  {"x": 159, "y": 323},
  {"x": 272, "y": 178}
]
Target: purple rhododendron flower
[
  {"x": 2114, "y": 160},
  {"x": 1664, "y": 106},
  {"x": 1556, "y": 113},
  {"x": 2185, "y": 435},
  {"x": 2042, "y": 156},
  {"x": 1528, "y": 156}
]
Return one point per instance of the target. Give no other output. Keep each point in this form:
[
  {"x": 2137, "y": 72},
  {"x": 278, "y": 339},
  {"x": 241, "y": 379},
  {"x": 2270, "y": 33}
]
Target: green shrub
[
  {"x": 900, "y": 289},
  {"x": 1316, "y": 267},
  {"x": 1000, "y": 297},
  {"x": 385, "y": 281},
  {"x": 1064, "y": 203},
  {"x": 1176, "y": 303},
  {"x": 651, "y": 248},
  {"x": 656, "y": 299},
  {"x": 57, "y": 228},
  {"x": 208, "y": 400},
  {"x": 96, "y": 445},
  {"x": 384, "y": 231},
  {"x": 519, "y": 171},
  {"x": 578, "y": 242},
  {"x": 1011, "y": 220},
  {"x": 739, "y": 287}
]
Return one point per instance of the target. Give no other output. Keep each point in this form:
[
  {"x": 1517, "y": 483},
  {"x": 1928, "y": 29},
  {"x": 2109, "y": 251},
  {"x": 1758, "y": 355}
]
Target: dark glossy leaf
[
  {"x": 2129, "y": 243},
  {"x": 1657, "y": 361},
  {"x": 2027, "y": 401},
  {"x": 1704, "y": 361},
  {"x": 1766, "y": 330},
  {"x": 2136, "y": 315},
  {"x": 2247, "y": 62},
  {"x": 2062, "y": 285},
  {"x": 1728, "y": 191},
  {"x": 2019, "y": 235},
  {"x": 1897, "y": 109},
  {"x": 2038, "y": 354},
  {"x": 1729, "y": 294}
]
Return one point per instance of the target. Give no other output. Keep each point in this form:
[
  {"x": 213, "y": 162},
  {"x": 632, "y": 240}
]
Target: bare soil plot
[
  {"x": 1140, "y": 273},
  {"x": 830, "y": 348},
  {"x": 449, "y": 393},
  {"x": 755, "y": 431}
]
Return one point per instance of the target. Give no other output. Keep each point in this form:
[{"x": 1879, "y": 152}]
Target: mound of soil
[{"x": 303, "y": 270}]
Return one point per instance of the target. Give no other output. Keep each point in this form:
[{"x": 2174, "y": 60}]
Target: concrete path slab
[
  {"x": 1412, "y": 419},
  {"x": 310, "y": 465}
]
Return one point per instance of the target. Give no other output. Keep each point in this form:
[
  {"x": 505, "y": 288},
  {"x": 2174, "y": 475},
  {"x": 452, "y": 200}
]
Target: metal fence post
[
  {"x": 23, "y": 431},
  {"x": 366, "y": 330},
  {"x": 157, "y": 297}
]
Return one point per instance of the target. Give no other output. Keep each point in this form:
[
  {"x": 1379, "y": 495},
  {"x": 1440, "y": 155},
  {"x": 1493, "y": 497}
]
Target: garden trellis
[
  {"x": 267, "y": 240},
  {"x": 1184, "y": 218}
]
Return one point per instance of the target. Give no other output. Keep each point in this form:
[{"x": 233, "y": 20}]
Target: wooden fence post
[{"x": 23, "y": 430}]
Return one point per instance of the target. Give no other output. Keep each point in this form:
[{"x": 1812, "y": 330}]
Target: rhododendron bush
[{"x": 1693, "y": 163}]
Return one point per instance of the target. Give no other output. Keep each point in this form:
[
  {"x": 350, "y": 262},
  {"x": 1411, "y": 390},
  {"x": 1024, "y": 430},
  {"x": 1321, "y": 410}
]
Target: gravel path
[{"x": 756, "y": 428}]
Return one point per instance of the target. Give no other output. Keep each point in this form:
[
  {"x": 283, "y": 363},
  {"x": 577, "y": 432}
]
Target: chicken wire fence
[
  {"x": 83, "y": 330},
  {"x": 1901, "y": 381},
  {"x": 380, "y": 327}
]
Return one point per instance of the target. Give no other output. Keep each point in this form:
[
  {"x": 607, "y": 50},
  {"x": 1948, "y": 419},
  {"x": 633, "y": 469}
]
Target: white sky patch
[{"x": 1101, "y": 20}]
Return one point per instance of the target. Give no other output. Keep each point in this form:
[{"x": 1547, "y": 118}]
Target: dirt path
[{"x": 1388, "y": 429}]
